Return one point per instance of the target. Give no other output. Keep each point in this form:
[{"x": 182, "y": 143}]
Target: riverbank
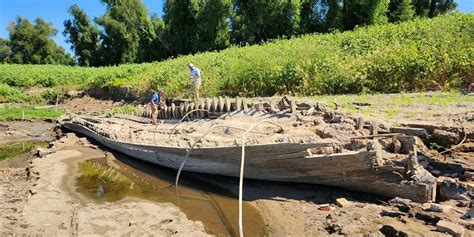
[
  {"x": 40, "y": 195},
  {"x": 40, "y": 199}
]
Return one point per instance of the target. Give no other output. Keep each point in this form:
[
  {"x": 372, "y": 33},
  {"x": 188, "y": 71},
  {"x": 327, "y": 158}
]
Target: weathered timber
[
  {"x": 360, "y": 123},
  {"x": 238, "y": 104},
  {"x": 221, "y": 104},
  {"x": 227, "y": 106},
  {"x": 420, "y": 132},
  {"x": 289, "y": 162}
]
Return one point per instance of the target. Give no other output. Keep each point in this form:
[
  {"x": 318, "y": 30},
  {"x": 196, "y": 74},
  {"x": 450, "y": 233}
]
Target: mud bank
[{"x": 39, "y": 200}]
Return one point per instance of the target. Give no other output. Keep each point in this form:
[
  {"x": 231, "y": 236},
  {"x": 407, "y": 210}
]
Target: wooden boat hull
[{"x": 287, "y": 162}]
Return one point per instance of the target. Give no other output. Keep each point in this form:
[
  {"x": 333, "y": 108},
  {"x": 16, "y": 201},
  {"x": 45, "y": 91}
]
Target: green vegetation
[
  {"x": 32, "y": 44},
  {"x": 14, "y": 149},
  {"x": 125, "y": 33},
  {"x": 9, "y": 113},
  {"x": 410, "y": 56}
]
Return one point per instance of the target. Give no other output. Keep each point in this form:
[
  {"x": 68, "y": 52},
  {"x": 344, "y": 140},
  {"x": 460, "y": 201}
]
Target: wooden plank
[
  {"x": 378, "y": 135},
  {"x": 420, "y": 132}
]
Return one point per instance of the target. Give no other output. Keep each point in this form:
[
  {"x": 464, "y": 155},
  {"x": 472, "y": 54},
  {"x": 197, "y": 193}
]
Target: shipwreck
[{"x": 300, "y": 142}]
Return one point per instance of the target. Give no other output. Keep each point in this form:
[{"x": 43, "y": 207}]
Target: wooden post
[
  {"x": 238, "y": 104},
  {"x": 360, "y": 123},
  {"x": 214, "y": 104},
  {"x": 227, "y": 104},
  {"x": 221, "y": 104},
  {"x": 374, "y": 129},
  {"x": 293, "y": 106},
  {"x": 244, "y": 105},
  {"x": 57, "y": 101}
]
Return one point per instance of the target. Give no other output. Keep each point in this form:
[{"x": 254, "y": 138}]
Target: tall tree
[
  {"x": 4, "y": 50},
  {"x": 422, "y": 7},
  {"x": 333, "y": 20},
  {"x": 432, "y": 8},
  {"x": 83, "y": 37},
  {"x": 213, "y": 27},
  {"x": 180, "y": 18},
  {"x": 127, "y": 31},
  {"x": 31, "y": 44},
  {"x": 257, "y": 21},
  {"x": 320, "y": 15},
  {"x": 364, "y": 12},
  {"x": 311, "y": 16},
  {"x": 400, "y": 10},
  {"x": 439, "y": 7}
]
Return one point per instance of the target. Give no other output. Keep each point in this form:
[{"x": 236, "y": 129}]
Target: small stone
[
  {"x": 434, "y": 207},
  {"x": 469, "y": 174},
  {"x": 469, "y": 214},
  {"x": 41, "y": 152},
  {"x": 336, "y": 119},
  {"x": 325, "y": 207},
  {"x": 450, "y": 228},
  {"x": 342, "y": 202}
]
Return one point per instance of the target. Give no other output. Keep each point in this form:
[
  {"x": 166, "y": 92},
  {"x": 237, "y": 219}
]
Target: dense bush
[
  {"x": 428, "y": 54},
  {"x": 10, "y": 94}
]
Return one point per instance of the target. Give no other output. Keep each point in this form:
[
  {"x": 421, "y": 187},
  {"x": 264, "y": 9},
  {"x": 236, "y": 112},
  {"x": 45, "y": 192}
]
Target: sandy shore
[{"x": 41, "y": 201}]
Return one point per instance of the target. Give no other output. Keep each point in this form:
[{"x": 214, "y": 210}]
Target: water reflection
[{"x": 109, "y": 180}]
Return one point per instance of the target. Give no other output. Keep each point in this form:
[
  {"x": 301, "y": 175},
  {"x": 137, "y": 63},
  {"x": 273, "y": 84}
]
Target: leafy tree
[
  {"x": 83, "y": 36},
  {"x": 256, "y": 21},
  {"x": 213, "y": 28},
  {"x": 334, "y": 15},
  {"x": 422, "y": 7},
  {"x": 364, "y": 12},
  {"x": 127, "y": 31},
  {"x": 400, "y": 10},
  {"x": 439, "y": 7},
  {"x": 180, "y": 18},
  {"x": 31, "y": 44},
  {"x": 320, "y": 15},
  {"x": 158, "y": 48},
  {"x": 4, "y": 50},
  {"x": 432, "y": 8},
  {"x": 311, "y": 17}
]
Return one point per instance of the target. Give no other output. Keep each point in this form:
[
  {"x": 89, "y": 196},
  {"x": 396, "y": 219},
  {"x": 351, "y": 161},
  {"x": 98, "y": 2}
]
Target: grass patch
[
  {"x": 14, "y": 149},
  {"x": 10, "y": 113}
]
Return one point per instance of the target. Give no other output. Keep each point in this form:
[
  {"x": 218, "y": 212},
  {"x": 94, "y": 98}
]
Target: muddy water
[{"x": 109, "y": 180}]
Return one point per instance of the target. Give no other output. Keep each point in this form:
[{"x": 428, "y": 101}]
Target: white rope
[
  {"x": 186, "y": 115},
  {"x": 188, "y": 151},
  {"x": 241, "y": 177}
]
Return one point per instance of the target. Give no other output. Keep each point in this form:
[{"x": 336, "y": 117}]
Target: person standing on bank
[
  {"x": 155, "y": 106},
  {"x": 195, "y": 77}
]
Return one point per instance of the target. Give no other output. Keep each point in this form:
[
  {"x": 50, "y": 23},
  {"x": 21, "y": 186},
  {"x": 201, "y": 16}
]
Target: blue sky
[{"x": 55, "y": 11}]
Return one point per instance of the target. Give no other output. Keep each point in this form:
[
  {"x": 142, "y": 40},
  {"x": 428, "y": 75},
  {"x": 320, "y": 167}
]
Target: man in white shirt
[{"x": 195, "y": 77}]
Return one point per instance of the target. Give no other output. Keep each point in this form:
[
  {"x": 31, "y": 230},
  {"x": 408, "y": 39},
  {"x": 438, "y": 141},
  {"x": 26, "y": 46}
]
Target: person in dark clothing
[{"x": 155, "y": 106}]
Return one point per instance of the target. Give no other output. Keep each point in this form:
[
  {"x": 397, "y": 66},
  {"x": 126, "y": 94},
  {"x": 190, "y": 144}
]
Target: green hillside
[{"x": 425, "y": 54}]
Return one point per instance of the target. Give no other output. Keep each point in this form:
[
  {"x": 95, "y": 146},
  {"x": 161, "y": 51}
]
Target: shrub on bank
[{"x": 424, "y": 54}]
